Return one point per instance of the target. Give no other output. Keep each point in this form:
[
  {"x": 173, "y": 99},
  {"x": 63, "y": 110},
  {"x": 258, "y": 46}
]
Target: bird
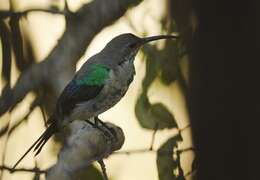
[{"x": 97, "y": 86}]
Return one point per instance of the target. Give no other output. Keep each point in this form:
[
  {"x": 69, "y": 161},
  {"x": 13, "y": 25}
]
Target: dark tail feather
[
  {"x": 39, "y": 143},
  {"x": 47, "y": 134}
]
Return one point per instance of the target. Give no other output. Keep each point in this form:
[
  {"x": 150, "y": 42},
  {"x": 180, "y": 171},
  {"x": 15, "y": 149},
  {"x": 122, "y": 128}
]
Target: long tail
[{"x": 39, "y": 143}]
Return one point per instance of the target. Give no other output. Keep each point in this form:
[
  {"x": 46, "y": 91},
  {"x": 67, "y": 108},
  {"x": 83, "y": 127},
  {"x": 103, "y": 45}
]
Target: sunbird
[{"x": 97, "y": 86}]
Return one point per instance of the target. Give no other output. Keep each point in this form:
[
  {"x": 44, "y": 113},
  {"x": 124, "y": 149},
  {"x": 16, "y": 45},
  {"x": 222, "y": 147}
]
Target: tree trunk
[{"x": 223, "y": 90}]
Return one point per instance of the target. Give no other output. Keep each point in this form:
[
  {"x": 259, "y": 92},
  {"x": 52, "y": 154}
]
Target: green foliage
[
  {"x": 152, "y": 66},
  {"x": 151, "y": 116},
  {"x": 162, "y": 64},
  {"x": 169, "y": 62},
  {"x": 168, "y": 160},
  {"x": 91, "y": 173}
]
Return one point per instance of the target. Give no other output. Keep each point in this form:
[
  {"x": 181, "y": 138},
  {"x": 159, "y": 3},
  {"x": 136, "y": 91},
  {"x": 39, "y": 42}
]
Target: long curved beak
[{"x": 155, "y": 38}]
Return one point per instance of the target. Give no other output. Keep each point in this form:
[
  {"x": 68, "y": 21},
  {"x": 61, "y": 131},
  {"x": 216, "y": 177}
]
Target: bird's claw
[{"x": 107, "y": 131}]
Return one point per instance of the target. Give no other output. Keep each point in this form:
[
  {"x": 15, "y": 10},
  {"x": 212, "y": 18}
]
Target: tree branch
[
  {"x": 146, "y": 150},
  {"x": 6, "y": 14},
  {"x": 151, "y": 148},
  {"x": 33, "y": 170},
  {"x": 85, "y": 145}
]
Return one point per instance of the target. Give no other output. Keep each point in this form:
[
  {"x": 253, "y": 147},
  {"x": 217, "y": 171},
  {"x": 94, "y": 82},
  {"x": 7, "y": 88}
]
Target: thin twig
[
  {"x": 11, "y": 170},
  {"x": 137, "y": 151},
  {"x": 66, "y": 7},
  {"x": 5, "y": 13},
  {"x": 103, "y": 167},
  {"x": 134, "y": 151},
  {"x": 153, "y": 136},
  {"x": 182, "y": 129},
  {"x": 151, "y": 148},
  {"x": 185, "y": 150}
]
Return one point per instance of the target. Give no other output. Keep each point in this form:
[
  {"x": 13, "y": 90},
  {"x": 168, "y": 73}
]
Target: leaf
[
  {"x": 166, "y": 163},
  {"x": 152, "y": 66},
  {"x": 141, "y": 109},
  {"x": 163, "y": 62},
  {"x": 169, "y": 62},
  {"x": 91, "y": 173},
  {"x": 163, "y": 116},
  {"x": 6, "y": 51},
  {"x": 153, "y": 116}
]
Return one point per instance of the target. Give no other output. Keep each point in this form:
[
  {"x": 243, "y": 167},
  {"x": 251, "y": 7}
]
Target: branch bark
[{"x": 85, "y": 145}]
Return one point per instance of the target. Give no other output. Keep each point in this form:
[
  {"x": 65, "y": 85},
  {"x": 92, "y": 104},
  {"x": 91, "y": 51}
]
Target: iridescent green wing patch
[{"x": 96, "y": 76}]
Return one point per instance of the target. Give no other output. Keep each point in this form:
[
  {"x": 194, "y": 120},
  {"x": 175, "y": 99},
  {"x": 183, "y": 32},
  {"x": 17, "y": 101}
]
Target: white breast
[{"x": 121, "y": 75}]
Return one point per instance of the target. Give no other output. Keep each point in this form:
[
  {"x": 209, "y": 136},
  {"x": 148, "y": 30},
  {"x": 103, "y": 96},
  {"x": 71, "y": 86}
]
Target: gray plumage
[{"x": 86, "y": 96}]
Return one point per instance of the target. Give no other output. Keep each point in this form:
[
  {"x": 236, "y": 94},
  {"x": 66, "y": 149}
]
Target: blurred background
[
  {"x": 192, "y": 111},
  {"x": 44, "y": 42}
]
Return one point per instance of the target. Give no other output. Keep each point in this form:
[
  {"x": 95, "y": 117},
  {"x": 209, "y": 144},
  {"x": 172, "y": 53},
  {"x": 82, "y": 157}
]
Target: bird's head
[{"x": 127, "y": 45}]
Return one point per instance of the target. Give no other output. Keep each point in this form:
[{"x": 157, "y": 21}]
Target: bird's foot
[
  {"x": 107, "y": 131},
  {"x": 110, "y": 132},
  {"x": 94, "y": 125}
]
